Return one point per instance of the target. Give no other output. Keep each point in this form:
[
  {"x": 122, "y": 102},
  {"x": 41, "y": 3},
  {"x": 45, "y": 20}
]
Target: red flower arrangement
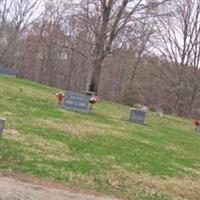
[
  {"x": 93, "y": 99},
  {"x": 196, "y": 122},
  {"x": 60, "y": 96}
]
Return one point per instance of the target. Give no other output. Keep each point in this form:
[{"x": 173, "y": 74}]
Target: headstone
[
  {"x": 2, "y": 124},
  {"x": 144, "y": 108},
  {"x": 198, "y": 128},
  {"x": 76, "y": 101},
  {"x": 160, "y": 112},
  {"x": 137, "y": 115},
  {"x": 8, "y": 71}
]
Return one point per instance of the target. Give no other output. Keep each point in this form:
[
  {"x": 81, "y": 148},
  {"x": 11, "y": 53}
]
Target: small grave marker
[
  {"x": 2, "y": 124},
  {"x": 137, "y": 115},
  {"x": 196, "y": 122},
  {"x": 160, "y": 112},
  {"x": 198, "y": 128},
  {"x": 76, "y": 101}
]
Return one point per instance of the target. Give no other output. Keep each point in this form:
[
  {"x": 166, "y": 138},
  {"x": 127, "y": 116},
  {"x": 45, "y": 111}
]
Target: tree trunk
[
  {"x": 96, "y": 71},
  {"x": 175, "y": 109},
  {"x": 129, "y": 92},
  {"x": 192, "y": 102}
]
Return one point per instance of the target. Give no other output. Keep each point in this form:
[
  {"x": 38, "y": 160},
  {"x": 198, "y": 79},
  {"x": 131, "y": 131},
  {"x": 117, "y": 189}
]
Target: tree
[
  {"x": 106, "y": 20},
  {"x": 178, "y": 42},
  {"x": 15, "y": 18}
]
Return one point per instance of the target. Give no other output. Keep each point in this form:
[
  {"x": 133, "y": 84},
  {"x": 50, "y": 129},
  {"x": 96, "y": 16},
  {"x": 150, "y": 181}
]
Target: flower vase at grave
[
  {"x": 60, "y": 96},
  {"x": 91, "y": 106},
  {"x": 196, "y": 122},
  {"x": 93, "y": 100}
]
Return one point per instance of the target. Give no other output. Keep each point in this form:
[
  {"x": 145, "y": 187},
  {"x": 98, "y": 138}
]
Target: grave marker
[
  {"x": 2, "y": 124},
  {"x": 76, "y": 101},
  {"x": 160, "y": 112},
  {"x": 137, "y": 115},
  {"x": 198, "y": 128}
]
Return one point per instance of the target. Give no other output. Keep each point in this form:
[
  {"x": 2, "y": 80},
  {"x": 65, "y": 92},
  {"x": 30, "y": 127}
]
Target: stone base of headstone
[
  {"x": 2, "y": 124},
  {"x": 137, "y": 116}
]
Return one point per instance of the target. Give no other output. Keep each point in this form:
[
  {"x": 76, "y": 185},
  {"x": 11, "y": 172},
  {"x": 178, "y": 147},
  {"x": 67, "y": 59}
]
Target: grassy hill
[{"x": 100, "y": 151}]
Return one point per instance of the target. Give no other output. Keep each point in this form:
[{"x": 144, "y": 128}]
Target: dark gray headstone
[
  {"x": 76, "y": 101},
  {"x": 2, "y": 124},
  {"x": 137, "y": 115}
]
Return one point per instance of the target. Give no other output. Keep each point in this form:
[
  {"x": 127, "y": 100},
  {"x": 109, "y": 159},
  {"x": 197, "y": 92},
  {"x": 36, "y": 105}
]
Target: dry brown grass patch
[
  {"x": 50, "y": 148},
  {"x": 171, "y": 147},
  {"x": 84, "y": 128},
  {"x": 184, "y": 188}
]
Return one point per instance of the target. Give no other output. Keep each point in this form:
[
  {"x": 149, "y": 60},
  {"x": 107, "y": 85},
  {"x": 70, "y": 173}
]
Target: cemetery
[
  {"x": 99, "y": 100},
  {"x": 96, "y": 150}
]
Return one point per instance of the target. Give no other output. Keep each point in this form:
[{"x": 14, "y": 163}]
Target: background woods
[{"x": 128, "y": 51}]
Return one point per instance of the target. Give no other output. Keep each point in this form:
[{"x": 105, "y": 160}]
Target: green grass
[{"x": 101, "y": 151}]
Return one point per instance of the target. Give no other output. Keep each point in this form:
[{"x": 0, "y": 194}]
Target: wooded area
[{"x": 141, "y": 51}]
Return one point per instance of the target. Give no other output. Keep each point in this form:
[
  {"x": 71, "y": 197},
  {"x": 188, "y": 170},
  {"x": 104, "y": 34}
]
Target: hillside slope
[{"x": 100, "y": 151}]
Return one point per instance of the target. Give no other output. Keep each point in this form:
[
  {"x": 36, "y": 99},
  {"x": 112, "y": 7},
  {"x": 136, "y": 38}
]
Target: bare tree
[
  {"x": 15, "y": 18},
  {"x": 106, "y": 20},
  {"x": 178, "y": 42}
]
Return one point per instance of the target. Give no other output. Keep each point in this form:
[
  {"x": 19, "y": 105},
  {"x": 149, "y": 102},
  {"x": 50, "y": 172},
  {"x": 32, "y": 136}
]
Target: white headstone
[
  {"x": 160, "y": 112},
  {"x": 145, "y": 108}
]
